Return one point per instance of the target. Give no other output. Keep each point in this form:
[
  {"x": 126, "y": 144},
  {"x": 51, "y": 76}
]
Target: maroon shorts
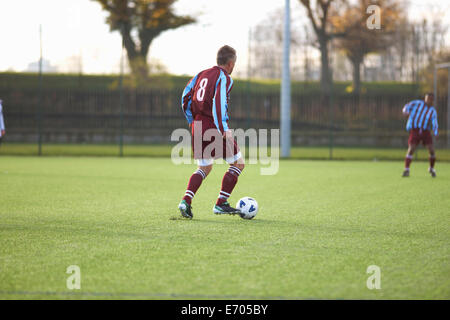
[
  {"x": 418, "y": 135},
  {"x": 208, "y": 143}
]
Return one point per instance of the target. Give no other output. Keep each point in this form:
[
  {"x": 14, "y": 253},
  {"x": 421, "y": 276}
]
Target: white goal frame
[{"x": 436, "y": 68}]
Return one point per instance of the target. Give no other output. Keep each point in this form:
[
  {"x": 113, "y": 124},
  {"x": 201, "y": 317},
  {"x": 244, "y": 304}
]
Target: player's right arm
[
  {"x": 186, "y": 100},
  {"x": 407, "y": 108}
]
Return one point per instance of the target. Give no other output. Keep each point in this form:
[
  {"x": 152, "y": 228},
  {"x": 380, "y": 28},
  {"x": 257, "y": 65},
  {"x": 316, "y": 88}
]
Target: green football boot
[{"x": 185, "y": 209}]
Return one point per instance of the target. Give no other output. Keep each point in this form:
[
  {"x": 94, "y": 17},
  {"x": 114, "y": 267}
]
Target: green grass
[
  {"x": 308, "y": 153},
  {"x": 320, "y": 225}
]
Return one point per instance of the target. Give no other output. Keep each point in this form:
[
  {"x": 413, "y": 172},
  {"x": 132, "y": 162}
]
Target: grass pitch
[
  {"x": 299, "y": 153},
  {"x": 320, "y": 225}
]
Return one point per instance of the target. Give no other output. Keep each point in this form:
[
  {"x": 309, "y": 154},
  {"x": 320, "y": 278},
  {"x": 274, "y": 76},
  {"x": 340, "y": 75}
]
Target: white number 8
[{"x": 202, "y": 89}]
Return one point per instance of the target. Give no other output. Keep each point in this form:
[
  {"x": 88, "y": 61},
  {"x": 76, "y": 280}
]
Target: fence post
[
  {"x": 39, "y": 117},
  {"x": 331, "y": 133},
  {"x": 121, "y": 101},
  {"x": 121, "y": 118},
  {"x": 448, "y": 107}
]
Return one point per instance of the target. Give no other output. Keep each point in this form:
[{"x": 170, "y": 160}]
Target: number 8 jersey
[{"x": 206, "y": 97}]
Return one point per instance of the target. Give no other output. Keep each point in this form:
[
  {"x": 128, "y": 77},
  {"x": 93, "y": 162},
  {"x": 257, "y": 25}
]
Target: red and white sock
[
  {"x": 228, "y": 182},
  {"x": 194, "y": 183},
  {"x": 408, "y": 160},
  {"x": 432, "y": 161}
]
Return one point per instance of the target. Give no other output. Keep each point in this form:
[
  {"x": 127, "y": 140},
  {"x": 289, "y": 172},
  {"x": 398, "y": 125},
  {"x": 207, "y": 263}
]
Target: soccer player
[
  {"x": 2, "y": 122},
  {"x": 422, "y": 119},
  {"x": 205, "y": 106}
]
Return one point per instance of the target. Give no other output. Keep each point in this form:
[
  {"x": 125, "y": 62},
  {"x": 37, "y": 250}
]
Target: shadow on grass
[{"x": 233, "y": 220}]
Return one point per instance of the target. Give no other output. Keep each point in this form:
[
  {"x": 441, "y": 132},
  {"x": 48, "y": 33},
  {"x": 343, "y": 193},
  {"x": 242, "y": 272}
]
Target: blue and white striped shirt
[{"x": 421, "y": 116}]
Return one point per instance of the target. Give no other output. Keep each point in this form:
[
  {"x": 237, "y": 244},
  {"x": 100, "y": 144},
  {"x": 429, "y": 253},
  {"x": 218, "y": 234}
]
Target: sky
[{"x": 76, "y": 28}]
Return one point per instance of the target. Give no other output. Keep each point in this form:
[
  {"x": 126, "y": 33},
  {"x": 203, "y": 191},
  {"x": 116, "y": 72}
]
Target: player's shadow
[{"x": 232, "y": 220}]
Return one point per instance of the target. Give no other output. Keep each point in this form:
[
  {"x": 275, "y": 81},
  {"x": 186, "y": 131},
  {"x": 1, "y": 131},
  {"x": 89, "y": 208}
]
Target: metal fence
[{"x": 96, "y": 117}]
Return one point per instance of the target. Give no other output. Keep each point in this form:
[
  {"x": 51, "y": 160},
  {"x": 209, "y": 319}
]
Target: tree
[
  {"x": 319, "y": 16},
  {"x": 139, "y": 23},
  {"x": 360, "y": 40},
  {"x": 266, "y": 47}
]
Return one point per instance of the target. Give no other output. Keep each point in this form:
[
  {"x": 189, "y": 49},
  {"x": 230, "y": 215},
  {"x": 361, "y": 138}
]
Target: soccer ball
[{"x": 248, "y": 207}]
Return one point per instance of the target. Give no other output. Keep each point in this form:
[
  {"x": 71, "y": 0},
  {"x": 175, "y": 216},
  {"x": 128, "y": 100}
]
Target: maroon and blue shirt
[{"x": 207, "y": 96}]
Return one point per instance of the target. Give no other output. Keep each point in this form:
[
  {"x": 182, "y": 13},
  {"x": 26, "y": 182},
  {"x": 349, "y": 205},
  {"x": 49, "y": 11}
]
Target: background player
[
  {"x": 205, "y": 105},
  {"x": 2, "y": 122},
  {"x": 422, "y": 119}
]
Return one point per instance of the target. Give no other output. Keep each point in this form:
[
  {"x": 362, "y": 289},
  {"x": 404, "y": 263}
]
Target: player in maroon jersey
[
  {"x": 205, "y": 105},
  {"x": 422, "y": 121}
]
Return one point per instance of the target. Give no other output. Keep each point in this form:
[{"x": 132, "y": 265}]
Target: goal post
[{"x": 436, "y": 69}]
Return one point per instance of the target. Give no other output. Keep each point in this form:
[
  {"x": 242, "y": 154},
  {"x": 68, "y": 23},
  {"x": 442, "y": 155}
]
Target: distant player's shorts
[
  {"x": 208, "y": 144},
  {"x": 418, "y": 135}
]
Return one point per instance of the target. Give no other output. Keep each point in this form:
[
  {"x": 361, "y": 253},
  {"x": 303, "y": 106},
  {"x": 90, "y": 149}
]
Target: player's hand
[
  {"x": 3, "y": 132},
  {"x": 190, "y": 125}
]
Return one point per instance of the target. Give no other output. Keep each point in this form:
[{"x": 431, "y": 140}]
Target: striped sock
[
  {"x": 194, "y": 183},
  {"x": 224, "y": 196},
  {"x": 228, "y": 182},
  {"x": 408, "y": 160},
  {"x": 432, "y": 161}
]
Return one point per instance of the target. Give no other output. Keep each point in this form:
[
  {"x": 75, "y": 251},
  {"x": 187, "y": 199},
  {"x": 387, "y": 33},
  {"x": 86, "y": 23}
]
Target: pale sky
[{"x": 77, "y": 27}]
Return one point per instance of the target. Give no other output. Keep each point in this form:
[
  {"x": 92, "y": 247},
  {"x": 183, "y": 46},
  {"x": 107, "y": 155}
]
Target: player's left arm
[
  {"x": 434, "y": 123},
  {"x": 220, "y": 106}
]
